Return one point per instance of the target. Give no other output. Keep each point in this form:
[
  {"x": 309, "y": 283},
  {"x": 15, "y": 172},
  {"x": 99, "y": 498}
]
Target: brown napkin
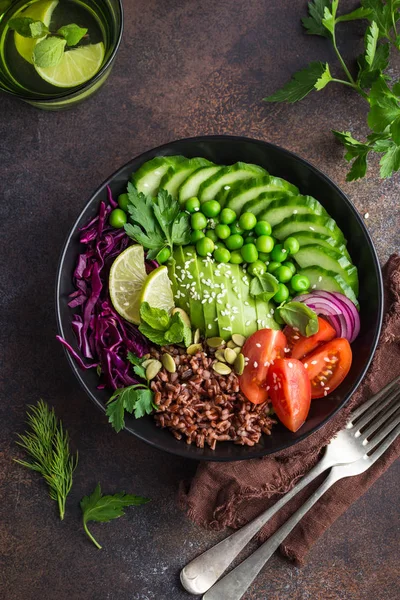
[{"x": 231, "y": 494}]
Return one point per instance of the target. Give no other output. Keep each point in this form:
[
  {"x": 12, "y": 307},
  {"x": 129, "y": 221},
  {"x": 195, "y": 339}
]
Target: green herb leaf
[
  {"x": 180, "y": 233},
  {"x": 27, "y": 27},
  {"x": 175, "y": 332},
  {"x": 157, "y": 318},
  {"x": 325, "y": 78},
  {"x": 187, "y": 332},
  {"x": 358, "y": 13},
  {"x": 47, "y": 443},
  {"x": 166, "y": 209},
  {"x": 143, "y": 403},
  {"x": 49, "y": 52},
  {"x": 329, "y": 20},
  {"x": 371, "y": 40},
  {"x": 313, "y": 23},
  {"x": 384, "y": 106},
  {"x": 390, "y": 162},
  {"x": 301, "y": 84},
  {"x": 380, "y": 13},
  {"x": 103, "y": 509},
  {"x": 72, "y": 33},
  {"x": 264, "y": 287},
  {"x": 368, "y": 74},
  {"x": 297, "y": 314},
  {"x": 134, "y": 398},
  {"x": 154, "y": 335},
  {"x": 354, "y": 149},
  {"x": 137, "y": 365},
  {"x": 145, "y": 229}
]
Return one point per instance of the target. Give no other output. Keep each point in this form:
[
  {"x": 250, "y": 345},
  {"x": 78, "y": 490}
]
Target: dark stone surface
[{"x": 184, "y": 69}]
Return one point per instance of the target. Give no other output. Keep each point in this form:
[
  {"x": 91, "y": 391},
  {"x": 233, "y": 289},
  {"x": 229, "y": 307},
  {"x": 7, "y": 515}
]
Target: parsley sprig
[{"x": 371, "y": 82}]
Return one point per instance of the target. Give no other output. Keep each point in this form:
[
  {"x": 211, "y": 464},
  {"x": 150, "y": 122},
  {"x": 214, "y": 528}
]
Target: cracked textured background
[{"x": 184, "y": 68}]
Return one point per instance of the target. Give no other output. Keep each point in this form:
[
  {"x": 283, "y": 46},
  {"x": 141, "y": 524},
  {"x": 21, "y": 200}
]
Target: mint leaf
[
  {"x": 49, "y": 52},
  {"x": 174, "y": 334},
  {"x": 157, "y": 318},
  {"x": 325, "y": 78},
  {"x": 313, "y": 23},
  {"x": 297, "y": 314},
  {"x": 72, "y": 33},
  {"x": 154, "y": 335},
  {"x": 187, "y": 332},
  {"x": 329, "y": 20},
  {"x": 27, "y": 27},
  {"x": 103, "y": 509},
  {"x": 264, "y": 287},
  {"x": 301, "y": 84}
]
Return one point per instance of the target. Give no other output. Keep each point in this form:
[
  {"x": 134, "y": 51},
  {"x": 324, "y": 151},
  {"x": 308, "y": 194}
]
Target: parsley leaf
[
  {"x": 329, "y": 20},
  {"x": 137, "y": 365},
  {"x": 103, "y": 509},
  {"x": 381, "y": 13},
  {"x": 390, "y": 162},
  {"x": 313, "y": 23},
  {"x": 354, "y": 149},
  {"x": 371, "y": 40},
  {"x": 301, "y": 84},
  {"x": 358, "y": 13},
  {"x": 138, "y": 398},
  {"x": 297, "y": 314},
  {"x": 325, "y": 78},
  {"x": 385, "y": 106},
  {"x": 370, "y": 73}
]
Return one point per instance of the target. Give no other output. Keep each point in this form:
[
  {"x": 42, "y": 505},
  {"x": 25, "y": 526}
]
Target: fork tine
[
  {"x": 385, "y": 445},
  {"x": 377, "y": 439},
  {"x": 361, "y": 409},
  {"x": 375, "y": 424},
  {"x": 376, "y": 410}
]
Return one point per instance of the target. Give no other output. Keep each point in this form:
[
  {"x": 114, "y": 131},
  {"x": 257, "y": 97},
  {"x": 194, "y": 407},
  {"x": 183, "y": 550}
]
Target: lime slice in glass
[
  {"x": 76, "y": 67},
  {"x": 39, "y": 11},
  {"x": 157, "y": 290},
  {"x": 127, "y": 276}
]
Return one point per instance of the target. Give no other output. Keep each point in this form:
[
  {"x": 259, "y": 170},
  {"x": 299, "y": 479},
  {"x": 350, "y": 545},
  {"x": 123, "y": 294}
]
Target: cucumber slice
[
  {"x": 278, "y": 210},
  {"x": 178, "y": 174},
  {"x": 242, "y": 192},
  {"x": 147, "y": 178},
  {"x": 221, "y": 182},
  {"x": 262, "y": 202},
  {"x": 316, "y": 223},
  {"x": 305, "y": 238},
  {"x": 190, "y": 187},
  {"x": 328, "y": 259},
  {"x": 328, "y": 281}
]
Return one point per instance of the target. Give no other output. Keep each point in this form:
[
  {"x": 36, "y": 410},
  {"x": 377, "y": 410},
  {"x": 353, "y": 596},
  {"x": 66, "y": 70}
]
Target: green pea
[
  {"x": 117, "y": 218},
  {"x": 249, "y": 253},
  {"x": 205, "y": 246},
  {"x": 282, "y": 294},
  {"x": 222, "y": 255},
  {"x": 290, "y": 266},
  {"x": 283, "y": 274},
  {"x": 247, "y": 221},
  {"x": 300, "y": 283},
  {"x": 265, "y": 243},
  {"x": 250, "y": 239},
  {"x": 263, "y": 256},
  {"x": 235, "y": 228},
  {"x": 236, "y": 257},
  {"x": 210, "y": 233},
  {"x": 263, "y": 228},
  {"x": 192, "y": 205},
  {"x": 257, "y": 268},
  {"x": 279, "y": 254},
  {"x": 211, "y": 208},
  {"x": 195, "y": 236},
  {"x": 123, "y": 201},
  {"x": 291, "y": 245},
  {"x": 222, "y": 231},
  {"x": 227, "y": 216},
  {"x": 163, "y": 255},
  {"x": 234, "y": 242},
  {"x": 273, "y": 266},
  {"x": 198, "y": 221}
]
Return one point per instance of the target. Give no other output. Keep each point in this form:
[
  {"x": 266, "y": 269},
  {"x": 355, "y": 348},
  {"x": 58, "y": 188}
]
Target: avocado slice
[
  {"x": 181, "y": 299},
  {"x": 245, "y": 191},
  {"x": 220, "y": 183},
  {"x": 328, "y": 281},
  {"x": 248, "y": 304},
  {"x": 317, "y": 223},
  {"x": 191, "y": 277},
  {"x": 222, "y": 273},
  {"x": 281, "y": 209},
  {"x": 265, "y": 318},
  {"x": 208, "y": 295}
]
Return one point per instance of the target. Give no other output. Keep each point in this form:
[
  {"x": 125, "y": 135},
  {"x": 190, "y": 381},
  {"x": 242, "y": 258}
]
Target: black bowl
[{"x": 280, "y": 162}]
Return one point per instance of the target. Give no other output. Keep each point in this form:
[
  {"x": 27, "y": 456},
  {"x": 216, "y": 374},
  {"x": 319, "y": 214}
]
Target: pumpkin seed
[
  {"x": 220, "y": 355},
  {"x": 215, "y": 342},
  {"x": 222, "y": 368},
  {"x": 196, "y": 337},
  {"x": 153, "y": 368},
  {"x": 147, "y": 362},
  {"x": 168, "y": 363},
  {"x": 146, "y": 356},
  {"x": 184, "y": 316},
  {"x": 239, "y": 339},
  {"x": 231, "y": 344},
  {"x": 237, "y": 350},
  {"x": 194, "y": 348},
  {"x": 230, "y": 356},
  {"x": 238, "y": 365}
]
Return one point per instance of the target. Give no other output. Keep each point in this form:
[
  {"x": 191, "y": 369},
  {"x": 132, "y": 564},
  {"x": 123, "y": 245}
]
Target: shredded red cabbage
[{"x": 102, "y": 335}]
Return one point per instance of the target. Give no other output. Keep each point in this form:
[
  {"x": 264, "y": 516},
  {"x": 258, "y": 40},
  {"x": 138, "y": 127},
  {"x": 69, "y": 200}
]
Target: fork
[{"x": 350, "y": 445}]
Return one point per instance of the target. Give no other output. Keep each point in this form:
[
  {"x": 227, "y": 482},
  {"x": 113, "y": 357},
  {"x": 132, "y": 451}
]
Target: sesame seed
[
  {"x": 290, "y": 365},
  {"x": 306, "y": 365},
  {"x": 296, "y": 337},
  {"x": 312, "y": 228},
  {"x": 258, "y": 345},
  {"x": 267, "y": 388},
  {"x": 313, "y": 362},
  {"x": 322, "y": 383},
  {"x": 246, "y": 303},
  {"x": 313, "y": 286},
  {"x": 325, "y": 393},
  {"x": 248, "y": 323},
  {"x": 320, "y": 278},
  {"x": 295, "y": 212},
  {"x": 255, "y": 364},
  {"x": 266, "y": 364},
  {"x": 366, "y": 215},
  {"x": 286, "y": 349},
  {"x": 326, "y": 359}
]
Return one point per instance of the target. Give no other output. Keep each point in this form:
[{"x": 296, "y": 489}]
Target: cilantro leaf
[
  {"x": 313, "y": 23},
  {"x": 72, "y": 33},
  {"x": 325, "y": 78},
  {"x": 263, "y": 287},
  {"x": 301, "y": 84},
  {"x": 136, "y": 398},
  {"x": 157, "y": 318},
  {"x": 297, "y": 314},
  {"x": 103, "y": 509}
]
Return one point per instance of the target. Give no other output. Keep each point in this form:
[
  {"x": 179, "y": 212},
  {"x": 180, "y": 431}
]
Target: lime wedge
[
  {"x": 76, "y": 67},
  {"x": 157, "y": 290},
  {"x": 40, "y": 11},
  {"x": 127, "y": 276}
]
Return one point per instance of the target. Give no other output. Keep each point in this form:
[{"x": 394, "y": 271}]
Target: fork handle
[
  {"x": 202, "y": 572},
  {"x": 235, "y": 584}
]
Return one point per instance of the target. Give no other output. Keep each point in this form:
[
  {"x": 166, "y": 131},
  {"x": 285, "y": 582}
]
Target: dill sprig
[{"x": 48, "y": 445}]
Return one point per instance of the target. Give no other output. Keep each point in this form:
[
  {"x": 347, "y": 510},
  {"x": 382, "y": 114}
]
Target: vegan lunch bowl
[{"x": 219, "y": 297}]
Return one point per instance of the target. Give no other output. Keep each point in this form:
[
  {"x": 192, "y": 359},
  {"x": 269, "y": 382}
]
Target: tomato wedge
[
  {"x": 290, "y": 391},
  {"x": 300, "y": 345},
  {"x": 261, "y": 349},
  {"x": 328, "y": 366}
]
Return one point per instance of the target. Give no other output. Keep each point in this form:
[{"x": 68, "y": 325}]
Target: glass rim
[{"x": 65, "y": 95}]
